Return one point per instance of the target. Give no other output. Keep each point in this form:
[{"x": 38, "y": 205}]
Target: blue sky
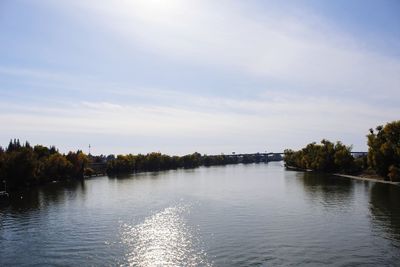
[{"x": 209, "y": 76}]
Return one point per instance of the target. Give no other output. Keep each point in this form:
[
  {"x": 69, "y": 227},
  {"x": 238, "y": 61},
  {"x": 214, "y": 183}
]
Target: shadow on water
[
  {"x": 138, "y": 176},
  {"x": 325, "y": 188},
  {"x": 43, "y": 196},
  {"x": 335, "y": 192},
  {"x": 149, "y": 174},
  {"x": 385, "y": 208}
]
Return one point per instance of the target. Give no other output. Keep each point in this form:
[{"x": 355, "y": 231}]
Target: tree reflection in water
[
  {"x": 338, "y": 193},
  {"x": 40, "y": 197},
  {"x": 330, "y": 191},
  {"x": 385, "y": 208}
]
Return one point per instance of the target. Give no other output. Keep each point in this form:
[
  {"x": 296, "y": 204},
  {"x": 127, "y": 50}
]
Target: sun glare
[{"x": 154, "y": 8}]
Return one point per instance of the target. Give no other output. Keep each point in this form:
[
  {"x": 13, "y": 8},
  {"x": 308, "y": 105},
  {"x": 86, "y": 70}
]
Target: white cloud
[
  {"x": 103, "y": 106},
  {"x": 268, "y": 122},
  {"x": 271, "y": 45}
]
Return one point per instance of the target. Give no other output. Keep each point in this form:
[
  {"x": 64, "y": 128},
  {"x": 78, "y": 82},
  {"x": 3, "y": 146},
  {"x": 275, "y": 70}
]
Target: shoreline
[
  {"x": 355, "y": 177},
  {"x": 361, "y": 178}
]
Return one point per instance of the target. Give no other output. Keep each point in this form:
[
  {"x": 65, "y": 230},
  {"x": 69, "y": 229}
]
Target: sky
[{"x": 181, "y": 76}]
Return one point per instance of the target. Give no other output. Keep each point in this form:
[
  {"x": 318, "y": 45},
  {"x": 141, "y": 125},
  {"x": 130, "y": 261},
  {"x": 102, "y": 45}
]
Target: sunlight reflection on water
[{"x": 163, "y": 239}]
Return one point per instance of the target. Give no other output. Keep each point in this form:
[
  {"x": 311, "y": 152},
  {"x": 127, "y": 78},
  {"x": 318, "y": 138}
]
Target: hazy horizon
[{"x": 184, "y": 76}]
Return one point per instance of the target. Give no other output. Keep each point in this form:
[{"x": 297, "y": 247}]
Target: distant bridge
[{"x": 271, "y": 156}]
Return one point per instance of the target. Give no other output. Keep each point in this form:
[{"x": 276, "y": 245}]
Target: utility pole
[{"x": 89, "y": 149}]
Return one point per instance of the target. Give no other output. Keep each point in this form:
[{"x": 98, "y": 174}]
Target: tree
[
  {"x": 344, "y": 161},
  {"x": 56, "y": 167},
  {"x": 13, "y": 145},
  {"x": 325, "y": 157},
  {"x": 41, "y": 151},
  {"x": 2, "y": 164},
  {"x": 21, "y": 167},
  {"x": 78, "y": 160},
  {"x": 384, "y": 150}
]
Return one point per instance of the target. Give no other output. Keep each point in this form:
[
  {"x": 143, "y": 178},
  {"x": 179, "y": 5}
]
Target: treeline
[
  {"x": 383, "y": 155},
  {"x": 157, "y": 162},
  {"x": 22, "y": 165}
]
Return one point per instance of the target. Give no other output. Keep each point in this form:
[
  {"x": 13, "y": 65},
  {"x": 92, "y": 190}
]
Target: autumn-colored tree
[
  {"x": 56, "y": 167},
  {"x": 384, "y": 150},
  {"x": 326, "y": 157}
]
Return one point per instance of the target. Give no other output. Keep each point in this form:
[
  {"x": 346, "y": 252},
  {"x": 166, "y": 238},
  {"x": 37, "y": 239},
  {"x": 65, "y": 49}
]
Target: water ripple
[{"x": 163, "y": 239}]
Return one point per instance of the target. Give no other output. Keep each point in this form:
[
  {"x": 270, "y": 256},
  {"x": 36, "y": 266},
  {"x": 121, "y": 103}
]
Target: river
[{"x": 237, "y": 215}]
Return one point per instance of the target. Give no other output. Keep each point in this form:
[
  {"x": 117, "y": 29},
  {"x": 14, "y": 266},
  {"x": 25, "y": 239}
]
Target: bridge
[{"x": 271, "y": 156}]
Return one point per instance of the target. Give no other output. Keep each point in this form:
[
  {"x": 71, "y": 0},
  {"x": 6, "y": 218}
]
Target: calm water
[{"x": 243, "y": 215}]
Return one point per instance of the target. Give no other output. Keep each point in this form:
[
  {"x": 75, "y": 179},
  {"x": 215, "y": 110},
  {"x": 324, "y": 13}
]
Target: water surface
[{"x": 239, "y": 215}]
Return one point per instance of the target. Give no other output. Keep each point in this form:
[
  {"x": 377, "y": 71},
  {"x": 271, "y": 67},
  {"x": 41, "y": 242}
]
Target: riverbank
[
  {"x": 292, "y": 168},
  {"x": 361, "y": 178}
]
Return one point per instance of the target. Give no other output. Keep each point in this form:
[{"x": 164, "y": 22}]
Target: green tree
[
  {"x": 78, "y": 160},
  {"x": 325, "y": 157},
  {"x": 21, "y": 167},
  {"x": 344, "y": 161},
  {"x": 384, "y": 150},
  {"x": 56, "y": 167}
]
